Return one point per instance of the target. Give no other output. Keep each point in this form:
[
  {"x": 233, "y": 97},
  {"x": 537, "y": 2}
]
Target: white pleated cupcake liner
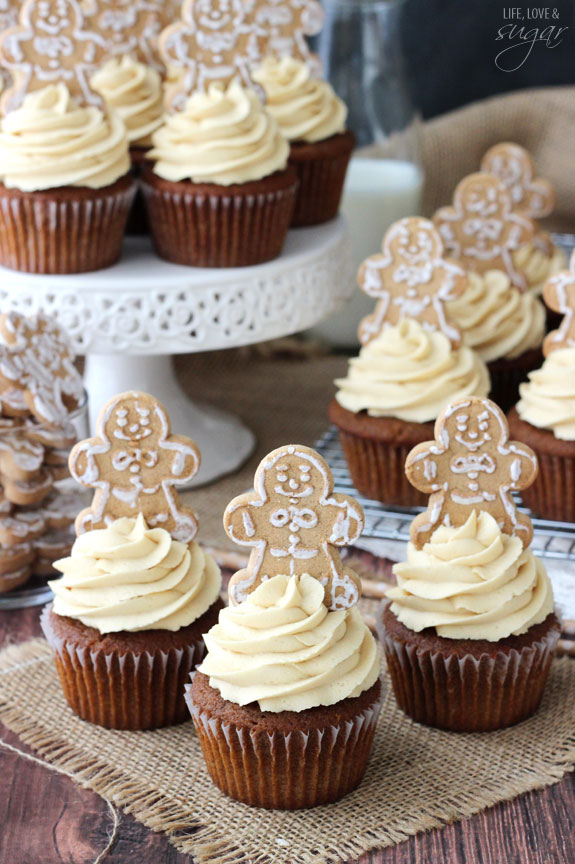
[
  {"x": 127, "y": 690},
  {"x": 290, "y": 770}
]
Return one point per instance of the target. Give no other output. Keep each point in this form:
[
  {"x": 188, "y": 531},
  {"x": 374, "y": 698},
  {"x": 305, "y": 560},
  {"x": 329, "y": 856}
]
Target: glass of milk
[{"x": 360, "y": 49}]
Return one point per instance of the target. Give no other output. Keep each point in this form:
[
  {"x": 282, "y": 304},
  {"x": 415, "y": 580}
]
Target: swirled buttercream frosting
[
  {"x": 411, "y": 373},
  {"x": 471, "y": 582},
  {"x": 130, "y": 577},
  {"x": 496, "y": 319},
  {"x": 306, "y": 108},
  {"x": 223, "y": 136},
  {"x": 548, "y": 398},
  {"x": 537, "y": 265},
  {"x": 135, "y": 92},
  {"x": 283, "y": 649},
  {"x": 51, "y": 141}
]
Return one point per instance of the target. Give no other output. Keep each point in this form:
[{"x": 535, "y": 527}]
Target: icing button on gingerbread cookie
[
  {"x": 295, "y": 522},
  {"x": 470, "y": 465},
  {"x": 135, "y": 465}
]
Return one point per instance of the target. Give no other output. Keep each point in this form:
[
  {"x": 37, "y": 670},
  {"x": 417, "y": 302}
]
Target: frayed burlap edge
[{"x": 170, "y": 814}]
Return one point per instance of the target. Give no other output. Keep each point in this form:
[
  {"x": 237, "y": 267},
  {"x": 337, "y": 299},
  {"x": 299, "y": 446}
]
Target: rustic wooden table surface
[{"x": 47, "y": 819}]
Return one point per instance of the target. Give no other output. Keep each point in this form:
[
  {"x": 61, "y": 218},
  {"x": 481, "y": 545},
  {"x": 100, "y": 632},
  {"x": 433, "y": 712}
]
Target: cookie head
[
  {"x": 513, "y": 165},
  {"x": 294, "y": 477},
  {"x": 134, "y": 421}
]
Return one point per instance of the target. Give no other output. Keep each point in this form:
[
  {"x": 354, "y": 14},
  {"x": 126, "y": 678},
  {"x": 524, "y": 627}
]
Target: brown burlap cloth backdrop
[{"x": 418, "y": 778}]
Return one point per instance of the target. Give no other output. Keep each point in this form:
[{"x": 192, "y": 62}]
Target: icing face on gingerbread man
[
  {"x": 294, "y": 521},
  {"x": 411, "y": 279},
  {"x": 134, "y": 464},
  {"x": 513, "y": 165},
  {"x": 51, "y": 44},
  {"x": 128, "y": 27},
  {"x": 481, "y": 230},
  {"x": 471, "y": 465},
  {"x": 559, "y": 295}
]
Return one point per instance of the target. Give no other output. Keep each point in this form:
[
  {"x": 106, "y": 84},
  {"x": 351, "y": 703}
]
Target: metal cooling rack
[{"x": 550, "y": 539}]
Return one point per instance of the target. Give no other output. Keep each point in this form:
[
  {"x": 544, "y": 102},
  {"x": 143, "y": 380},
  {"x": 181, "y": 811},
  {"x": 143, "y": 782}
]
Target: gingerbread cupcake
[
  {"x": 545, "y": 415},
  {"x": 312, "y": 118},
  {"x": 137, "y": 592},
  {"x": 218, "y": 188},
  {"x": 286, "y": 702},
  {"x": 470, "y": 630},
  {"x": 411, "y": 363}
]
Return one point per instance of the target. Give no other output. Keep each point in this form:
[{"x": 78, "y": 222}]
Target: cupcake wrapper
[
  {"x": 219, "y": 230},
  {"x": 377, "y": 469},
  {"x": 64, "y": 234},
  {"x": 468, "y": 695},
  {"x": 552, "y": 493},
  {"x": 320, "y": 189},
  {"x": 302, "y": 769},
  {"x": 507, "y": 375},
  {"x": 124, "y": 691}
]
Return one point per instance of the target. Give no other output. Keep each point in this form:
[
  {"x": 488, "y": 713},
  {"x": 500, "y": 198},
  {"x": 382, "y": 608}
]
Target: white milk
[{"x": 377, "y": 193}]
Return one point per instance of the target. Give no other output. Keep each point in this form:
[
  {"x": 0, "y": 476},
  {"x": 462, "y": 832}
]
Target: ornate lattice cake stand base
[{"x": 129, "y": 319}]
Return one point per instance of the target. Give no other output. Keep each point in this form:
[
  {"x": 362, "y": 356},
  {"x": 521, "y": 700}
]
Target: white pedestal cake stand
[{"x": 129, "y": 319}]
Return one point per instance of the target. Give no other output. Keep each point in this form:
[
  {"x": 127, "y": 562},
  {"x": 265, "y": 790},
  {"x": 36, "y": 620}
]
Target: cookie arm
[
  {"x": 523, "y": 468},
  {"x": 349, "y": 520},
  {"x": 422, "y": 467},
  {"x": 82, "y": 463},
  {"x": 184, "y": 459},
  {"x": 240, "y": 520}
]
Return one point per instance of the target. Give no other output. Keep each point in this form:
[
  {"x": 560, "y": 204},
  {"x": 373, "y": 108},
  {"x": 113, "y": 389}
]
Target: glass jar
[
  {"x": 38, "y": 503},
  {"x": 360, "y": 49}
]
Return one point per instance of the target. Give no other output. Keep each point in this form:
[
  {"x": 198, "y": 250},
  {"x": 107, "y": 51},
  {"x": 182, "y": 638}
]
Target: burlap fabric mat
[{"x": 418, "y": 778}]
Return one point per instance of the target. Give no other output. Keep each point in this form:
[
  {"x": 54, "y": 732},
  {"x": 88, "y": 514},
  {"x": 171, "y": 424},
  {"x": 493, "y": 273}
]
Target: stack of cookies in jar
[{"x": 40, "y": 390}]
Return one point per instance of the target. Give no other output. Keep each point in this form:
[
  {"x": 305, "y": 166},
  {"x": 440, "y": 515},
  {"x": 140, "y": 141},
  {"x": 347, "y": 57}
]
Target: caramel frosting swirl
[
  {"x": 411, "y": 373},
  {"x": 51, "y": 141},
  {"x": 283, "y": 649},
  {"x": 472, "y": 582},
  {"x": 548, "y": 398},
  {"x": 537, "y": 265},
  {"x": 135, "y": 92},
  {"x": 306, "y": 108},
  {"x": 496, "y": 319},
  {"x": 223, "y": 136},
  {"x": 130, "y": 577}
]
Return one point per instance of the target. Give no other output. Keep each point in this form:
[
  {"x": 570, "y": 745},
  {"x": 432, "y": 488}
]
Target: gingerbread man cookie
[
  {"x": 481, "y": 230},
  {"x": 134, "y": 463},
  {"x": 411, "y": 279},
  {"x": 471, "y": 465},
  {"x": 50, "y": 44},
  {"x": 128, "y": 27},
  {"x": 218, "y": 40},
  {"x": 514, "y": 166},
  {"x": 37, "y": 361},
  {"x": 295, "y": 522},
  {"x": 559, "y": 295}
]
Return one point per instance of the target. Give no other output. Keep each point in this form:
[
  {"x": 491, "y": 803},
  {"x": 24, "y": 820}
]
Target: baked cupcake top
[
  {"x": 411, "y": 373},
  {"x": 51, "y": 141},
  {"x": 130, "y": 577},
  {"x": 496, "y": 319},
  {"x": 537, "y": 265},
  {"x": 548, "y": 398},
  {"x": 306, "y": 108},
  {"x": 282, "y": 648},
  {"x": 471, "y": 582},
  {"x": 135, "y": 91},
  {"x": 223, "y": 136}
]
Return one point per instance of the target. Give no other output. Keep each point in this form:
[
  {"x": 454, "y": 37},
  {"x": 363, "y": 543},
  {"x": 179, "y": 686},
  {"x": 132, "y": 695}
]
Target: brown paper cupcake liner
[
  {"x": 204, "y": 225},
  {"x": 377, "y": 470},
  {"x": 285, "y": 771},
  {"x": 132, "y": 690},
  {"x": 507, "y": 374},
  {"x": 469, "y": 694},
  {"x": 552, "y": 493},
  {"x": 321, "y": 170},
  {"x": 137, "y": 224},
  {"x": 67, "y": 230}
]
